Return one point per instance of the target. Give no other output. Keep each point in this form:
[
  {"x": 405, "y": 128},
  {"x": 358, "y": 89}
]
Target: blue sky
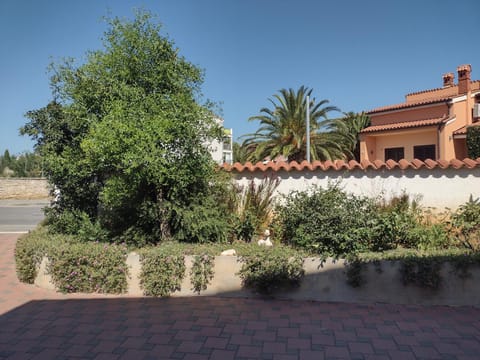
[{"x": 357, "y": 54}]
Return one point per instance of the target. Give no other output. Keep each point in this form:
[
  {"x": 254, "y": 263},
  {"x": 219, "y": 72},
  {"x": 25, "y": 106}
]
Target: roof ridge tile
[
  {"x": 340, "y": 164},
  {"x": 404, "y": 105},
  {"x": 430, "y": 164},
  {"x": 457, "y": 164},
  {"x": 469, "y": 163},
  {"x": 417, "y": 164},
  {"x": 404, "y": 164},
  {"x": 353, "y": 164},
  {"x": 391, "y": 164},
  {"x": 378, "y": 164}
]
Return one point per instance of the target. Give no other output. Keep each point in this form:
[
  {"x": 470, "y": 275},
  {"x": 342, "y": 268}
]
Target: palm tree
[
  {"x": 282, "y": 129},
  {"x": 239, "y": 153},
  {"x": 347, "y": 131}
]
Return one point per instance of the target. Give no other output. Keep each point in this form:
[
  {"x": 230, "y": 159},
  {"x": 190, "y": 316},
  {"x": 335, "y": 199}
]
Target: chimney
[
  {"x": 448, "y": 80},
  {"x": 464, "y": 78}
]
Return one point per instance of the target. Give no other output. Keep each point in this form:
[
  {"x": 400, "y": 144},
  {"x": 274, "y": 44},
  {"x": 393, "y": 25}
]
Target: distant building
[
  {"x": 222, "y": 151},
  {"x": 430, "y": 124}
]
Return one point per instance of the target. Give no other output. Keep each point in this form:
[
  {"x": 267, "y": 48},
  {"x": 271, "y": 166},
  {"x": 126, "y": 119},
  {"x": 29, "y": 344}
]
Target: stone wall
[{"x": 23, "y": 188}]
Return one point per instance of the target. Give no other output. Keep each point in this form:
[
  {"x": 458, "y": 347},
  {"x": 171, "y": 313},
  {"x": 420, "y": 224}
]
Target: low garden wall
[{"x": 323, "y": 281}]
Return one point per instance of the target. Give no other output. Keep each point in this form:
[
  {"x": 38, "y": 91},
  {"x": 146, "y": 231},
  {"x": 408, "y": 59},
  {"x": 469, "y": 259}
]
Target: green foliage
[
  {"x": 466, "y": 221},
  {"x": 397, "y": 222},
  {"x": 29, "y": 251},
  {"x": 347, "y": 131},
  {"x": 239, "y": 153},
  {"x": 283, "y": 130},
  {"x": 269, "y": 269},
  {"x": 201, "y": 272},
  {"x": 163, "y": 269},
  {"x": 74, "y": 266},
  {"x": 24, "y": 165},
  {"x": 254, "y": 207},
  {"x": 473, "y": 142},
  {"x": 74, "y": 222},
  {"x": 327, "y": 221},
  {"x": 433, "y": 236},
  {"x": 123, "y": 139},
  {"x": 92, "y": 267},
  {"x": 201, "y": 222}
]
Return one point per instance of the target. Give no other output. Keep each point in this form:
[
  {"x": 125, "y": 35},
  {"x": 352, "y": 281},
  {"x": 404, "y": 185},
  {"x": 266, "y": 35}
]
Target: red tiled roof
[
  {"x": 405, "y": 125},
  {"x": 351, "y": 165},
  {"x": 463, "y": 129},
  {"x": 407, "y": 105},
  {"x": 426, "y": 91}
]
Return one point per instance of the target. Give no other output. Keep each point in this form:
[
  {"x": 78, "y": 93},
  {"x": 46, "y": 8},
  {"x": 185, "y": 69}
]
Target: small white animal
[
  {"x": 266, "y": 241},
  {"x": 229, "y": 252}
]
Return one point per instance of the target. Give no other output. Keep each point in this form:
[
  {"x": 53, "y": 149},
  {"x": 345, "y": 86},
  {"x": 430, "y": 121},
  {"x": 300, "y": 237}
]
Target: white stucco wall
[{"x": 437, "y": 188}]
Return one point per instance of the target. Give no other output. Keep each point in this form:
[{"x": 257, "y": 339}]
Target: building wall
[
  {"x": 437, "y": 188},
  {"x": 406, "y": 139}
]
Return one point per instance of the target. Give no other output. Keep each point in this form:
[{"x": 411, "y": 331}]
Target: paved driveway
[{"x": 39, "y": 324}]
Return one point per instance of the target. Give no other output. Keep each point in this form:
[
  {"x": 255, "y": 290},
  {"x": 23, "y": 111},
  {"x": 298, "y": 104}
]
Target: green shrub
[
  {"x": 75, "y": 222},
  {"x": 254, "y": 207},
  {"x": 163, "y": 269},
  {"x": 397, "y": 221},
  {"x": 29, "y": 251},
  {"x": 268, "y": 269},
  {"x": 89, "y": 267},
  {"x": 201, "y": 272},
  {"x": 473, "y": 142},
  {"x": 201, "y": 223},
  {"x": 327, "y": 221},
  {"x": 434, "y": 236},
  {"x": 466, "y": 221},
  {"x": 245, "y": 227}
]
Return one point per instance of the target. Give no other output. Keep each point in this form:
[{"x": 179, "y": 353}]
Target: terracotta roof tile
[
  {"x": 391, "y": 164},
  {"x": 425, "y": 91},
  {"x": 430, "y": 164},
  {"x": 407, "y": 105},
  {"x": 404, "y": 125},
  {"x": 463, "y": 129},
  {"x": 339, "y": 165}
]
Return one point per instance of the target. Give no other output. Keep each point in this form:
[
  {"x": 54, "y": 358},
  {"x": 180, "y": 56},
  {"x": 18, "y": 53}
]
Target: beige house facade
[{"x": 430, "y": 124}]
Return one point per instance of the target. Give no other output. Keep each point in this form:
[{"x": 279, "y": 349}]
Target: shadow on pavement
[{"x": 227, "y": 328}]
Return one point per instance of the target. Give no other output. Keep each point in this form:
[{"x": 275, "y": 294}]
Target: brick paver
[{"x": 41, "y": 324}]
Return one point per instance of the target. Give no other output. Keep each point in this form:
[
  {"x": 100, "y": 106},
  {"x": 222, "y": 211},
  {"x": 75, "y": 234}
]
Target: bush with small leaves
[
  {"x": 268, "y": 269},
  {"x": 89, "y": 267},
  {"x": 201, "y": 272},
  {"x": 163, "y": 269}
]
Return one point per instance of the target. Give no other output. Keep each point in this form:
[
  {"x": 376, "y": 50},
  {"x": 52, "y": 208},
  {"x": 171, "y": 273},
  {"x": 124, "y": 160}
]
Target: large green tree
[
  {"x": 283, "y": 132},
  {"x": 123, "y": 137}
]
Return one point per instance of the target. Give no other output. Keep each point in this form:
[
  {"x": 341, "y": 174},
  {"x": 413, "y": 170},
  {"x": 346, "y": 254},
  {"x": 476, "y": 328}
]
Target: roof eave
[{"x": 401, "y": 107}]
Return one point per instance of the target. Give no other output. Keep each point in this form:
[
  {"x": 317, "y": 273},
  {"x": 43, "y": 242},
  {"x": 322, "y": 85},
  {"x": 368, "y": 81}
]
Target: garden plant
[{"x": 123, "y": 146}]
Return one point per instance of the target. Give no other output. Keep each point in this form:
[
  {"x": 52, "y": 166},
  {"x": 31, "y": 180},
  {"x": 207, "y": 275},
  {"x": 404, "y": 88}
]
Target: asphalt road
[{"x": 20, "y": 215}]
